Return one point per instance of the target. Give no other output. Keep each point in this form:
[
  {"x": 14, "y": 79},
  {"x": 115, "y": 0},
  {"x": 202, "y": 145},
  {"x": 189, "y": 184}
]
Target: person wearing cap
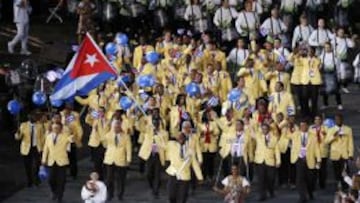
[
  {"x": 182, "y": 156},
  {"x": 71, "y": 120},
  {"x": 117, "y": 158},
  {"x": 267, "y": 159},
  {"x": 94, "y": 190},
  {"x": 305, "y": 154},
  {"x": 55, "y": 157},
  {"x": 341, "y": 148},
  {"x": 281, "y": 101},
  {"x": 31, "y": 134},
  {"x": 100, "y": 128},
  {"x": 152, "y": 151}
]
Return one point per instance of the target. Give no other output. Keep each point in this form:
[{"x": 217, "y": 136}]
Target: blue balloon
[
  {"x": 192, "y": 89},
  {"x": 146, "y": 81},
  {"x": 122, "y": 39},
  {"x": 124, "y": 78},
  {"x": 152, "y": 57},
  {"x": 234, "y": 95},
  {"x": 125, "y": 102},
  {"x": 329, "y": 122},
  {"x": 14, "y": 107},
  {"x": 110, "y": 48},
  {"x": 39, "y": 98},
  {"x": 56, "y": 103},
  {"x": 43, "y": 173}
]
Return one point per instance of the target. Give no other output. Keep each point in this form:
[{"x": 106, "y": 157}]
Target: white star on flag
[{"x": 91, "y": 59}]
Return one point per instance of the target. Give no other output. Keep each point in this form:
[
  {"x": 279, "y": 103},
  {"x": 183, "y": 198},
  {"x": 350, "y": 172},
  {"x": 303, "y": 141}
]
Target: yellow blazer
[
  {"x": 74, "y": 126},
  {"x": 267, "y": 154},
  {"x": 214, "y": 135},
  {"x": 276, "y": 76},
  {"x": 160, "y": 140},
  {"x": 312, "y": 149},
  {"x": 324, "y": 147},
  {"x": 310, "y": 73},
  {"x": 98, "y": 132},
  {"x": 285, "y": 136},
  {"x": 299, "y": 64},
  {"x": 281, "y": 102},
  {"x": 25, "y": 136},
  {"x": 139, "y": 52},
  {"x": 175, "y": 121},
  {"x": 226, "y": 85},
  {"x": 56, "y": 152},
  {"x": 341, "y": 147},
  {"x": 226, "y": 149},
  {"x": 214, "y": 57},
  {"x": 118, "y": 155},
  {"x": 227, "y": 129},
  {"x": 255, "y": 84},
  {"x": 180, "y": 167}
]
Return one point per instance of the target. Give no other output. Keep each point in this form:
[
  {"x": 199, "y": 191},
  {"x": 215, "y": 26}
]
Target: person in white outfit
[
  {"x": 239, "y": 54},
  {"x": 22, "y": 10},
  {"x": 247, "y": 21},
  {"x": 320, "y": 36},
  {"x": 273, "y": 25},
  {"x": 302, "y": 32},
  {"x": 194, "y": 16},
  {"x": 356, "y": 64},
  {"x": 94, "y": 191}
]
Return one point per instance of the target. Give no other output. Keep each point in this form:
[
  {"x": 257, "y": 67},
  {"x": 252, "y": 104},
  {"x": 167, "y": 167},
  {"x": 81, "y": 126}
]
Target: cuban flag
[{"x": 85, "y": 72}]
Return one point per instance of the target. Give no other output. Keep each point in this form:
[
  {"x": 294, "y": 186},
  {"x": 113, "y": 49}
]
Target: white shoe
[
  {"x": 324, "y": 107},
  {"x": 25, "y": 52},
  {"x": 345, "y": 90},
  {"x": 340, "y": 107},
  {"x": 10, "y": 48}
]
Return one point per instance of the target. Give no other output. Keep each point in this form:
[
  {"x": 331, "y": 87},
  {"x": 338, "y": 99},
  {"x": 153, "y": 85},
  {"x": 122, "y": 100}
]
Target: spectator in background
[
  {"x": 94, "y": 190},
  {"x": 22, "y": 10}
]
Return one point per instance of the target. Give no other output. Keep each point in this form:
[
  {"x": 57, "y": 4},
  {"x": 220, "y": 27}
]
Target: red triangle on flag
[{"x": 90, "y": 60}]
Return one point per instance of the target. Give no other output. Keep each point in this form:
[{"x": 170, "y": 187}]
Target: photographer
[{"x": 94, "y": 191}]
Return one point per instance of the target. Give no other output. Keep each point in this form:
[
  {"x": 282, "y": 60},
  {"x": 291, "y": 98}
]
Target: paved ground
[{"x": 12, "y": 180}]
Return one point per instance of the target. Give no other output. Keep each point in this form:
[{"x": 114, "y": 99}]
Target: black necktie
[
  {"x": 32, "y": 134},
  {"x": 55, "y": 139},
  {"x": 182, "y": 151},
  {"x": 303, "y": 141}
]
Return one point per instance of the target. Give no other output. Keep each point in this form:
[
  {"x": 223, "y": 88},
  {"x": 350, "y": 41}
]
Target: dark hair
[{"x": 178, "y": 97}]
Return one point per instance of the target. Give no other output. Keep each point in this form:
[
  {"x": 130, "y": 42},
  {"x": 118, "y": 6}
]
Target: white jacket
[{"x": 98, "y": 197}]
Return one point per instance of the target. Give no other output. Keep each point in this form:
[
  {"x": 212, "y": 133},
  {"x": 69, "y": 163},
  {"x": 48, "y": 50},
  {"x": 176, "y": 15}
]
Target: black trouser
[
  {"x": 305, "y": 180},
  {"x": 309, "y": 92},
  {"x": 154, "y": 172},
  {"x": 287, "y": 172},
  {"x": 266, "y": 175},
  {"x": 97, "y": 156},
  {"x": 73, "y": 160},
  {"x": 208, "y": 164},
  {"x": 230, "y": 160},
  {"x": 337, "y": 97},
  {"x": 115, "y": 174},
  {"x": 178, "y": 190},
  {"x": 338, "y": 169},
  {"x": 57, "y": 180},
  {"x": 32, "y": 164},
  {"x": 323, "y": 173}
]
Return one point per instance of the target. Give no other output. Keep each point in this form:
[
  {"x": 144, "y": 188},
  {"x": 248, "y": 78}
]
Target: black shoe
[
  {"x": 311, "y": 196},
  {"x": 120, "y": 198},
  {"x": 272, "y": 195},
  {"x": 29, "y": 185}
]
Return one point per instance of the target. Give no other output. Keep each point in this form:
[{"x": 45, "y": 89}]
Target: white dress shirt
[
  {"x": 192, "y": 12},
  {"x": 329, "y": 60},
  {"x": 238, "y": 145},
  {"x": 91, "y": 197},
  {"x": 224, "y": 16},
  {"x": 21, "y": 14},
  {"x": 319, "y": 36},
  {"x": 246, "y": 22},
  {"x": 273, "y": 26},
  {"x": 33, "y": 134},
  {"x": 238, "y": 56},
  {"x": 304, "y": 140},
  {"x": 290, "y": 6},
  {"x": 301, "y": 34},
  {"x": 341, "y": 45}
]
